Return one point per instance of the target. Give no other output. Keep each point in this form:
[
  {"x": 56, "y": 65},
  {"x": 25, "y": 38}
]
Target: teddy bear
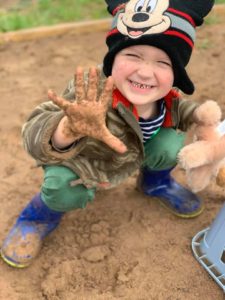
[{"x": 204, "y": 158}]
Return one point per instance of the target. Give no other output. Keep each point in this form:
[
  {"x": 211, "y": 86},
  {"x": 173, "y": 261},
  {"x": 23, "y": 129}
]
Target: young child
[{"x": 107, "y": 126}]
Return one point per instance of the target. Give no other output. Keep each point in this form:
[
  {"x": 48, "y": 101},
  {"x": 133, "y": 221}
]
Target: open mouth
[
  {"x": 136, "y": 32},
  {"x": 141, "y": 85}
]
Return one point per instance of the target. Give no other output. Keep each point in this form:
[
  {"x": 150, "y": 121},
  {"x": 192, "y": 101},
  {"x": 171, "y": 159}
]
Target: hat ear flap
[
  {"x": 112, "y": 4},
  {"x": 197, "y": 9}
]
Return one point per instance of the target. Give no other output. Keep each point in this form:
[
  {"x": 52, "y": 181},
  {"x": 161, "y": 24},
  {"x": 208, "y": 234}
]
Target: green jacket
[{"x": 92, "y": 160}]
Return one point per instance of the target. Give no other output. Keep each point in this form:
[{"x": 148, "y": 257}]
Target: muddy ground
[{"x": 124, "y": 245}]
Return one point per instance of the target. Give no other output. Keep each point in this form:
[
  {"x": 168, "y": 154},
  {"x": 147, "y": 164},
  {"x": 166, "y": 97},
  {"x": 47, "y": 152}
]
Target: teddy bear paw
[
  {"x": 208, "y": 113},
  {"x": 195, "y": 155}
]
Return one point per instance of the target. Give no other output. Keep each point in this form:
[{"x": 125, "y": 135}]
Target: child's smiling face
[{"x": 143, "y": 74}]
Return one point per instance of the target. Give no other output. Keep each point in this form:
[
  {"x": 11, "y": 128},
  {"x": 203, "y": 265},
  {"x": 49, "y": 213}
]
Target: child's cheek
[
  {"x": 166, "y": 77},
  {"x": 120, "y": 66},
  {"x": 116, "y": 72}
]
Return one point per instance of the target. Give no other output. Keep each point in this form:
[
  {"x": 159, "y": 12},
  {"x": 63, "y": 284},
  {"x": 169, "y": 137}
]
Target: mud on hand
[{"x": 86, "y": 115}]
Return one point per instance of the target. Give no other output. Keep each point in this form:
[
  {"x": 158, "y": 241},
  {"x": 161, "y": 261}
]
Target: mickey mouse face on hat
[
  {"x": 197, "y": 9},
  {"x": 143, "y": 17}
]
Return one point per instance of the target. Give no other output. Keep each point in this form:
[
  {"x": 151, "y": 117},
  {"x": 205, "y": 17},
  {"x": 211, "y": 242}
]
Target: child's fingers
[
  {"x": 92, "y": 84},
  {"x": 79, "y": 84},
  {"x": 107, "y": 91},
  {"x": 220, "y": 178},
  {"x": 113, "y": 142},
  {"x": 60, "y": 102}
]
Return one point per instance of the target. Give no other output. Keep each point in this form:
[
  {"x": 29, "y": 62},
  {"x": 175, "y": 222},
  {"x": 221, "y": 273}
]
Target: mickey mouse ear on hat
[
  {"x": 113, "y": 4},
  {"x": 197, "y": 9}
]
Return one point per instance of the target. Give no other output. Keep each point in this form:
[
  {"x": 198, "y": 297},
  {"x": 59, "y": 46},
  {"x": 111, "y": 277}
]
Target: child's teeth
[{"x": 140, "y": 85}]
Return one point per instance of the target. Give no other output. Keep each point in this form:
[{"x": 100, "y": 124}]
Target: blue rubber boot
[
  {"x": 179, "y": 200},
  {"x": 24, "y": 240}
]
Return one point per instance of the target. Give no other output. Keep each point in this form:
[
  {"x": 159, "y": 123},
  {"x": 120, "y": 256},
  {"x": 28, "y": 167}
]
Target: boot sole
[
  {"x": 183, "y": 216},
  {"x": 12, "y": 263}
]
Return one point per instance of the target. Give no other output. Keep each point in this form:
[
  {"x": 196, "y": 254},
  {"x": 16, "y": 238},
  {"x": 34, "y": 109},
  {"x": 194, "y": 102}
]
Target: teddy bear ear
[
  {"x": 112, "y": 4},
  {"x": 197, "y": 9}
]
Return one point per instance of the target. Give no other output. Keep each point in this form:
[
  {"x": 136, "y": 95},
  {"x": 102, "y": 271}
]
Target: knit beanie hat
[{"x": 166, "y": 24}]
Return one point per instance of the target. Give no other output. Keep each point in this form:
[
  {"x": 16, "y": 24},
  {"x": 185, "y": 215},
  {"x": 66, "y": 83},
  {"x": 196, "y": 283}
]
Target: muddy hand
[
  {"x": 86, "y": 116},
  {"x": 220, "y": 178}
]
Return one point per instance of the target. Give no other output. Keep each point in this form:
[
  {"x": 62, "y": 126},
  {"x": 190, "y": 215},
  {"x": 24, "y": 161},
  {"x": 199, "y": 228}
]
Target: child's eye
[
  {"x": 132, "y": 55},
  {"x": 165, "y": 63}
]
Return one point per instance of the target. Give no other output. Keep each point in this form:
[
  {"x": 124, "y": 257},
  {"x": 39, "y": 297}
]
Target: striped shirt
[{"x": 150, "y": 127}]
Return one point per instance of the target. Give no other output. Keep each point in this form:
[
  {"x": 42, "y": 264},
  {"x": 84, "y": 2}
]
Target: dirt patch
[
  {"x": 124, "y": 245},
  {"x": 9, "y": 4}
]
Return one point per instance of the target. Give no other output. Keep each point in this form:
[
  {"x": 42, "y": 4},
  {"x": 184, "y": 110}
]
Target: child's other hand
[
  {"x": 86, "y": 116},
  {"x": 208, "y": 114},
  {"x": 220, "y": 178}
]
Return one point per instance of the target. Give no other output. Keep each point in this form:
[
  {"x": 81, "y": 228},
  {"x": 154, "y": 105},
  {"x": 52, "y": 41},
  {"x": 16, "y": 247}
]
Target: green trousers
[{"x": 57, "y": 193}]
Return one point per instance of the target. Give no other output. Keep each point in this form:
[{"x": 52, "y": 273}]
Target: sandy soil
[
  {"x": 124, "y": 245},
  {"x": 10, "y": 4}
]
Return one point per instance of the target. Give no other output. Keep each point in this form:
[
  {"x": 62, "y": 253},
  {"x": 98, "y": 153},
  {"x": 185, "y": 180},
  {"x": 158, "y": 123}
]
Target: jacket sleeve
[
  {"x": 185, "y": 109},
  {"x": 39, "y": 128}
]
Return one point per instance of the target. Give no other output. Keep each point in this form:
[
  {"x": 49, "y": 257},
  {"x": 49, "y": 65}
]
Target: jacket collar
[{"x": 119, "y": 98}]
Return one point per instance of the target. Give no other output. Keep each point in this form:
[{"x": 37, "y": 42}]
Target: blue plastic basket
[{"x": 208, "y": 246}]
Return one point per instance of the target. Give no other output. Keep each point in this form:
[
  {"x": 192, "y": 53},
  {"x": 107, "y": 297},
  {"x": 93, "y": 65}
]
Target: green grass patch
[
  {"x": 33, "y": 13},
  {"x": 27, "y": 14}
]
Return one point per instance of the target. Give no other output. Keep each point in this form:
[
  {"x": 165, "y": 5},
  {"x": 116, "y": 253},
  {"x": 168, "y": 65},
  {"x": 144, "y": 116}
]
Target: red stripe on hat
[
  {"x": 186, "y": 16},
  {"x": 111, "y": 32},
  {"x": 168, "y": 32},
  {"x": 180, "y": 35}
]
